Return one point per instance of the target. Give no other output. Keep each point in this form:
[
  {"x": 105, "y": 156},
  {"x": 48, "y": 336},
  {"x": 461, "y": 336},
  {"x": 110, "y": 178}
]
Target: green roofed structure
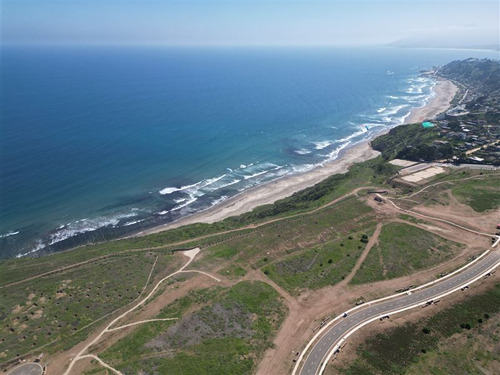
[{"x": 427, "y": 124}]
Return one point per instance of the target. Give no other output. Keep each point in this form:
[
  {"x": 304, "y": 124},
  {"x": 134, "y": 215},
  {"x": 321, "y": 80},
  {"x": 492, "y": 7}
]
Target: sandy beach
[{"x": 444, "y": 91}]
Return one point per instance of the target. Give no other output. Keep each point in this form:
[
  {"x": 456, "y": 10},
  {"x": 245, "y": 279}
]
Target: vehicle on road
[{"x": 427, "y": 295}]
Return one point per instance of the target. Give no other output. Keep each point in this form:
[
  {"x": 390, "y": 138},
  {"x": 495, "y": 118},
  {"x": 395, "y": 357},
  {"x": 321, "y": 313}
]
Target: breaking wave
[
  {"x": 189, "y": 196},
  {"x": 8, "y": 234}
]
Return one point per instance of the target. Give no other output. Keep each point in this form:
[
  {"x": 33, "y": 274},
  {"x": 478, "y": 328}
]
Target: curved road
[
  {"x": 342, "y": 328},
  {"x": 30, "y": 368}
]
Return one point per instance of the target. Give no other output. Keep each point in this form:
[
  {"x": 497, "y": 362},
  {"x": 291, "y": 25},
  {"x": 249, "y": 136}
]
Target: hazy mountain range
[{"x": 463, "y": 38}]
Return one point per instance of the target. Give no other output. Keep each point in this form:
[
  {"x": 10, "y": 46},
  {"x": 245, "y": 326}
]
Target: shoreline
[
  {"x": 272, "y": 191},
  {"x": 443, "y": 93}
]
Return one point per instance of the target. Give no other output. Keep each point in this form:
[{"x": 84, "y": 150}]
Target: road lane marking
[
  {"x": 368, "y": 305},
  {"x": 332, "y": 352}
]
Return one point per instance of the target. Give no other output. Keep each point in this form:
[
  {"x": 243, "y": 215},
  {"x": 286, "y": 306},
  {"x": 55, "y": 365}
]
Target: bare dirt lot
[
  {"x": 402, "y": 163},
  {"x": 423, "y": 175}
]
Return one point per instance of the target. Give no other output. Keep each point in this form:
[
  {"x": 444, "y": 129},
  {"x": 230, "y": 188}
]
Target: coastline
[
  {"x": 444, "y": 92},
  {"x": 272, "y": 191}
]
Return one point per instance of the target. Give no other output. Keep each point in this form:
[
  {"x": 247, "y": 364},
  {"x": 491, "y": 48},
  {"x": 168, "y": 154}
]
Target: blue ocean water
[{"x": 100, "y": 141}]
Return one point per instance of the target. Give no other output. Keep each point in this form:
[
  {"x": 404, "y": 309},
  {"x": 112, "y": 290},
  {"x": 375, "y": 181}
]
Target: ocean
[{"x": 99, "y": 142}]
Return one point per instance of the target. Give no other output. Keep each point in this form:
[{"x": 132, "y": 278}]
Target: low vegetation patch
[
  {"x": 412, "y": 219},
  {"x": 220, "y": 331},
  {"x": 441, "y": 192},
  {"x": 53, "y": 312},
  {"x": 318, "y": 267},
  {"x": 481, "y": 195},
  {"x": 271, "y": 242},
  {"x": 401, "y": 250},
  {"x": 233, "y": 271},
  {"x": 472, "y": 352},
  {"x": 408, "y": 348}
]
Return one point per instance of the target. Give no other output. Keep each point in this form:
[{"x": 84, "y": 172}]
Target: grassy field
[
  {"x": 421, "y": 347},
  {"x": 56, "y": 311},
  {"x": 271, "y": 242},
  {"x": 371, "y": 269},
  {"x": 219, "y": 331},
  {"x": 412, "y": 219},
  {"x": 318, "y": 267},
  {"x": 473, "y": 352},
  {"x": 450, "y": 184},
  {"x": 481, "y": 195},
  {"x": 403, "y": 249},
  {"x": 233, "y": 272}
]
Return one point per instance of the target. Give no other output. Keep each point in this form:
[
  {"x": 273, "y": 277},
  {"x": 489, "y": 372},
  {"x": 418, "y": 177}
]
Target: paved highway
[{"x": 320, "y": 350}]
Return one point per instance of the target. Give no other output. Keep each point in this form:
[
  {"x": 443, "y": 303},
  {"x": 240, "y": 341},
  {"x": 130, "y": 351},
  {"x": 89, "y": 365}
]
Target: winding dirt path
[
  {"x": 437, "y": 219},
  {"x": 80, "y": 355},
  {"x": 446, "y": 182},
  {"x": 203, "y": 273}
]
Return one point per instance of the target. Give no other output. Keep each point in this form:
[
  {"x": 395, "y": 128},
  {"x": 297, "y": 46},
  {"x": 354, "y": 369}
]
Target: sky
[{"x": 248, "y": 23}]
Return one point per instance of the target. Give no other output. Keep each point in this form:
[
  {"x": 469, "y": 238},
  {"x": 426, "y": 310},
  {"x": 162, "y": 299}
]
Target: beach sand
[
  {"x": 271, "y": 192},
  {"x": 444, "y": 92}
]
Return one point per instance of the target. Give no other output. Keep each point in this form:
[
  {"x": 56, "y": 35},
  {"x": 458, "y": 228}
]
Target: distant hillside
[
  {"x": 469, "y": 137},
  {"x": 412, "y": 142},
  {"x": 463, "y": 39},
  {"x": 483, "y": 74}
]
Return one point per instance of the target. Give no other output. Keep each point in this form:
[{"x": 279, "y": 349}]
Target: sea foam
[
  {"x": 302, "y": 151},
  {"x": 87, "y": 225},
  {"x": 39, "y": 246},
  {"x": 8, "y": 234},
  {"x": 322, "y": 144}
]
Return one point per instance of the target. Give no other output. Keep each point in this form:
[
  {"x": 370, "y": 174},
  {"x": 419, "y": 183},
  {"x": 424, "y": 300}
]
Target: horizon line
[{"x": 174, "y": 45}]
